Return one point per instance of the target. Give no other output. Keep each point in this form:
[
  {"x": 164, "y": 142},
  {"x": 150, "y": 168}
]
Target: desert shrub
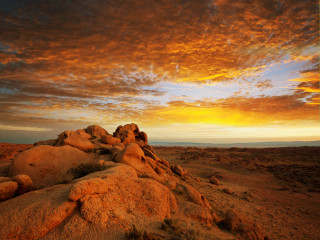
[
  {"x": 136, "y": 234},
  {"x": 85, "y": 169}
]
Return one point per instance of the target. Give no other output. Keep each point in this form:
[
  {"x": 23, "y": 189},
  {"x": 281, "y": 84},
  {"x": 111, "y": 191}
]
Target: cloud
[{"x": 102, "y": 61}]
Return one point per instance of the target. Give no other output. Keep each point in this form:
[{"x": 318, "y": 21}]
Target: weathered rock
[
  {"x": 88, "y": 187},
  {"x": 32, "y": 215},
  {"x": 193, "y": 195},
  {"x": 83, "y": 134},
  {"x": 73, "y": 139},
  {"x": 149, "y": 153},
  {"x": 129, "y": 199},
  {"x": 121, "y": 145},
  {"x": 164, "y": 162},
  {"x": 237, "y": 223},
  {"x": 24, "y": 183},
  {"x": 50, "y": 142},
  {"x": 133, "y": 156},
  {"x": 108, "y": 139},
  {"x": 149, "y": 148},
  {"x": 142, "y": 139},
  {"x": 5, "y": 179},
  {"x": 127, "y": 137},
  {"x": 214, "y": 180},
  {"x": 178, "y": 170},
  {"x": 96, "y": 131},
  {"x": 131, "y": 127},
  {"x": 197, "y": 213},
  {"x": 8, "y": 190},
  {"x": 227, "y": 190},
  {"x": 159, "y": 170},
  {"x": 45, "y": 165}
]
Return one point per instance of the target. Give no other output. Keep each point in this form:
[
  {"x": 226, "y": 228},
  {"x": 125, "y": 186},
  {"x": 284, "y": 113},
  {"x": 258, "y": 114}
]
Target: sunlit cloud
[{"x": 156, "y": 62}]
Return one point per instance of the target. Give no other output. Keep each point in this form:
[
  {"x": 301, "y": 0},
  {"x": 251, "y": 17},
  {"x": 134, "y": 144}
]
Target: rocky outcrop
[
  {"x": 96, "y": 131},
  {"x": 46, "y": 165},
  {"x": 50, "y": 142},
  {"x": 133, "y": 155},
  {"x": 108, "y": 139},
  {"x": 130, "y": 133},
  {"x": 76, "y": 140}
]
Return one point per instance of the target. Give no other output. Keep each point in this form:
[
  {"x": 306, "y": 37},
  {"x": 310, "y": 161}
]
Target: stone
[
  {"x": 73, "y": 139},
  {"x": 133, "y": 156},
  {"x": 33, "y": 214},
  {"x": 226, "y": 190},
  {"x": 83, "y": 133},
  {"x": 108, "y": 139},
  {"x": 96, "y": 131},
  {"x": 131, "y": 127},
  {"x": 149, "y": 153},
  {"x": 88, "y": 187},
  {"x": 142, "y": 139},
  {"x": 46, "y": 165},
  {"x": 193, "y": 195},
  {"x": 127, "y": 137},
  {"x": 178, "y": 170},
  {"x": 237, "y": 223},
  {"x": 214, "y": 180},
  {"x": 8, "y": 190},
  {"x": 120, "y": 145},
  {"x": 25, "y": 183}
]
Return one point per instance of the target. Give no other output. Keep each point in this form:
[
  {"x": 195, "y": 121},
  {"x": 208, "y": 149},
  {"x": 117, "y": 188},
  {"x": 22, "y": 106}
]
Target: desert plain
[{"x": 127, "y": 189}]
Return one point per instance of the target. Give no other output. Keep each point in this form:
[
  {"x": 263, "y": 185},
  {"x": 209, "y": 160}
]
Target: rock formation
[{"x": 135, "y": 188}]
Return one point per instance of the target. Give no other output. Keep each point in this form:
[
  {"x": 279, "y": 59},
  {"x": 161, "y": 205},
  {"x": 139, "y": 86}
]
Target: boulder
[
  {"x": 127, "y": 137},
  {"x": 32, "y": 215},
  {"x": 237, "y": 223},
  {"x": 133, "y": 156},
  {"x": 73, "y": 139},
  {"x": 8, "y": 190},
  {"x": 108, "y": 139},
  {"x": 197, "y": 213},
  {"x": 120, "y": 145},
  {"x": 149, "y": 153},
  {"x": 131, "y": 127},
  {"x": 24, "y": 183},
  {"x": 193, "y": 195},
  {"x": 179, "y": 170},
  {"x": 142, "y": 139},
  {"x": 50, "y": 142},
  {"x": 46, "y": 165},
  {"x": 83, "y": 134},
  {"x": 96, "y": 131},
  {"x": 214, "y": 180},
  {"x": 121, "y": 198}
]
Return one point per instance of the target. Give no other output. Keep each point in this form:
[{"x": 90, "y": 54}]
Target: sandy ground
[
  {"x": 279, "y": 188},
  {"x": 276, "y": 187}
]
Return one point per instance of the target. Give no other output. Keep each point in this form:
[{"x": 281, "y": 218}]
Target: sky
[{"x": 216, "y": 71}]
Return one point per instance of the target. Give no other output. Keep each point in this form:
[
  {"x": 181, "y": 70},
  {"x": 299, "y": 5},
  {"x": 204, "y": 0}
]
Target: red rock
[
  {"x": 96, "y": 131},
  {"x": 108, "y": 139},
  {"x": 46, "y": 165},
  {"x": 8, "y": 190},
  {"x": 75, "y": 140},
  {"x": 25, "y": 183}
]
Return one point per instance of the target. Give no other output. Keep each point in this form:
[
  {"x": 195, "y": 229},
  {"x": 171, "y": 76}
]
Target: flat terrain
[{"x": 277, "y": 187}]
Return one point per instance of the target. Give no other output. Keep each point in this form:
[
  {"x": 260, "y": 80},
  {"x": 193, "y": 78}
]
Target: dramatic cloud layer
[{"x": 221, "y": 62}]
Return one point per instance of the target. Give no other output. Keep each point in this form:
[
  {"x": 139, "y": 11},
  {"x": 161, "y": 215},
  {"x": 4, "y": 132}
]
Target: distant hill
[{"x": 250, "y": 144}]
